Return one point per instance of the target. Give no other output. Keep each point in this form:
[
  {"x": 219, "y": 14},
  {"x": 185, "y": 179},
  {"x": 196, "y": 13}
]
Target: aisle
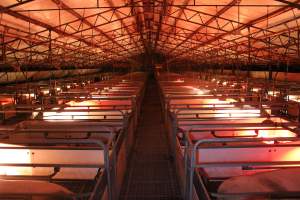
[{"x": 151, "y": 174}]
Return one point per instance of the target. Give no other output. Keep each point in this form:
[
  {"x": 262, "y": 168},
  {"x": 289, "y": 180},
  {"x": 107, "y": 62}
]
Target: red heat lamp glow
[
  {"x": 275, "y": 134},
  {"x": 179, "y": 81},
  {"x": 83, "y": 103}
]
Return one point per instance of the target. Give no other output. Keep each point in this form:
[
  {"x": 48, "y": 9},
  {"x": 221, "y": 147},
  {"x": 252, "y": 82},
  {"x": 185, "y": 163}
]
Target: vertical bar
[
  {"x": 109, "y": 176},
  {"x": 173, "y": 134},
  {"x": 270, "y": 66},
  {"x": 3, "y": 49},
  {"x": 287, "y": 71},
  {"x": 50, "y": 47},
  {"x": 298, "y": 44},
  {"x": 222, "y": 69},
  {"x": 270, "y": 72},
  {"x": 249, "y": 53},
  {"x": 190, "y": 176},
  {"x": 185, "y": 158},
  {"x": 298, "y": 114},
  {"x": 114, "y": 173}
]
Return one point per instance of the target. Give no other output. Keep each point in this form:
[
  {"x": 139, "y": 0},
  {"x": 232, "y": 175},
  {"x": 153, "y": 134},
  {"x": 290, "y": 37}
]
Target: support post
[
  {"x": 270, "y": 65},
  {"x": 249, "y": 53},
  {"x": 270, "y": 72},
  {"x": 3, "y": 48},
  {"x": 298, "y": 44}
]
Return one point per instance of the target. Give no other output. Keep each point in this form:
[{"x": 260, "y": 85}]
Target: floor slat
[{"x": 151, "y": 174}]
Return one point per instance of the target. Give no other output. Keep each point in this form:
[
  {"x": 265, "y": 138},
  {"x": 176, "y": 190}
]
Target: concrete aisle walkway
[{"x": 151, "y": 174}]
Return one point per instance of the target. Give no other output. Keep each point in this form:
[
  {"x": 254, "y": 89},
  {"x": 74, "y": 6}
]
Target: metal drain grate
[{"x": 151, "y": 174}]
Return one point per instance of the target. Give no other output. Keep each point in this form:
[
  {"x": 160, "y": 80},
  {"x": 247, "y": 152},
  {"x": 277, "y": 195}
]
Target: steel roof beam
[
  {"x": 252, "y": 22},
  {"x": 3, "y": 9},
  {"x": 139, "y": 24},
  {"x": 257, "y": 39},
  {"x": 55, "y": 29},
  {"x": 213, "y": 49},
  {"x": 161, "y": 17},
  {"x": 292, "y": 4},
  {"x": 209, "y": 21},
  {"x": 123, "y": 24},
  {"x": 84, "y": 20},
  {"x": 42, "y": 24},
  {"x": 216, "y": 47},
  {"x": 180, "y": 13},
  {"x": 235, "y": 22},
  {"x": 42, "y": 41}
]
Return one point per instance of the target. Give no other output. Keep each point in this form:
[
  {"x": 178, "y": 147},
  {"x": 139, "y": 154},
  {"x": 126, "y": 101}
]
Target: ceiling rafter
[
  {"x": 256, "y": 39},
  {"x": 120, "y": 30},
  {"x": 62, "y": 5},
  {"x": 292, "y": 4},
  {"x": 40, "y": 41},
  {"x": 209, "y": 21},
  {"x": 42, "y": 24},
  {"x": 15, "y": 5},
  {"x": 124, "y": 25},
  {"x": 51, "y": 28},
  {"x": 161, "y": 18},
  {"x": 139, "y": 21},
  {"x": 252, "y": 22},
  {"x": 215, "y": 47},
  {"x": 180, "y": 13},
  {"x": 43, "y": 40}
]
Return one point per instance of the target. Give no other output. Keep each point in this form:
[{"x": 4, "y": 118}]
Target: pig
[
  {"x": 280, "y": 180},
  {"x": 35, "y": 189}
]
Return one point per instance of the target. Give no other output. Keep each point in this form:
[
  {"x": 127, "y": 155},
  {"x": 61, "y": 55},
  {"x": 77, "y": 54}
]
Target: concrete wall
[
  {"x": 279, "y": 76},
  {"x": 12, "y": 77}
]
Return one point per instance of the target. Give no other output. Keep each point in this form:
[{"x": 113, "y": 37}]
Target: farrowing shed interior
[{"x": 149, "y": 99}]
